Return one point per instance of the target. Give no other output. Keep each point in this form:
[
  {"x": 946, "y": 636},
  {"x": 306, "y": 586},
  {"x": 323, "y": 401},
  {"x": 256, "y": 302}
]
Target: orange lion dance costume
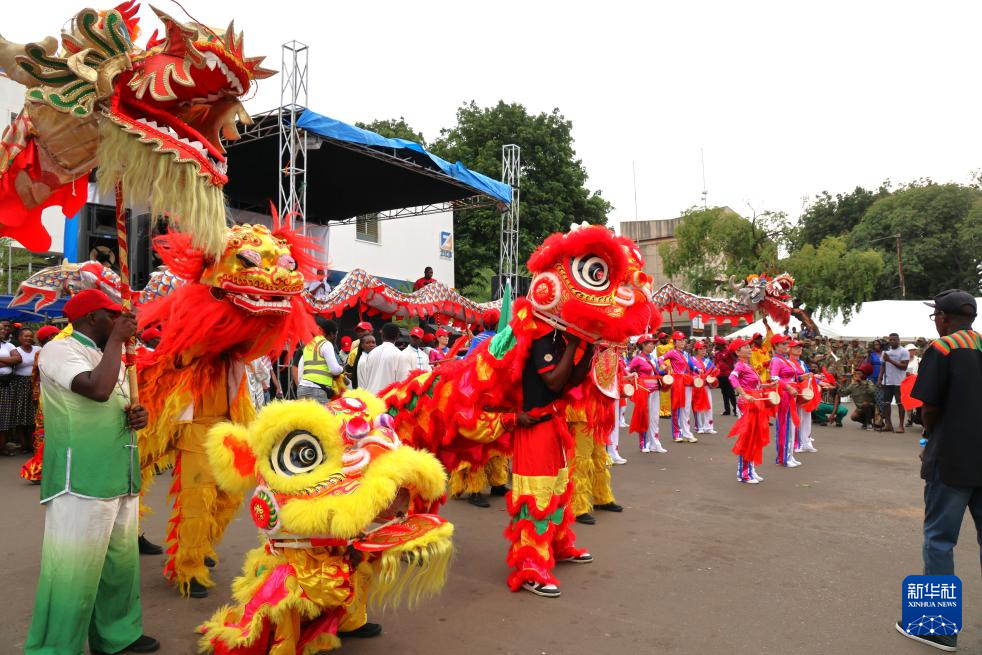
[
  {"x": 245, "y": 304},
  {"x": 588, "y": 283}
]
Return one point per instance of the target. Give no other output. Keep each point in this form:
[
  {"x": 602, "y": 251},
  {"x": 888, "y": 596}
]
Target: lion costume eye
[
  {"x": 590, "y": 271},
  {"x": 299, "y": 452}
]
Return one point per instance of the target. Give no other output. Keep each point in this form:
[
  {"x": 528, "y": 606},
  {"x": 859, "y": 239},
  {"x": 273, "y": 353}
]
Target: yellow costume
[
  {"x": 325, "y": 474},
  {"x": 760, "y": 358},
  {"x": 468, "y": 479},
  {"x": 665, "y": 408},
  {"x": 591, "y": 475}
]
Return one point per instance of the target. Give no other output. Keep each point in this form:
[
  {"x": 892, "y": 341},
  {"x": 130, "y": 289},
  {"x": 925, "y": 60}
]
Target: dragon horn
[{"x": 735, "y": 285}]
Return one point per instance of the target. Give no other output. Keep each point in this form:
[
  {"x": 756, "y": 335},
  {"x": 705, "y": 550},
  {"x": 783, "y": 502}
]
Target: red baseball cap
[
  {"x": 416, "y": 332},
  {"x": 46, "y": 332},
  {"x": 793, "y": 343},
  {"x": 442, "y": 333},
  {"x": 88, "y": 301},
  {"x": 150, "y": 333},
  {"x": 678, "y": 335},
  {"x": 737, "y": 344},
  {"x": 364, "y": 325},
  {"x": 719, "y": 341},
  {"x": 646, "y": 338},
  {"x": 779, "y": 338},
  {"x": 662, "y": 335},
  {"x": 699, "y": 345},
  {"x": 757, "y": 335},
  {"x": 345, "y": 342}
]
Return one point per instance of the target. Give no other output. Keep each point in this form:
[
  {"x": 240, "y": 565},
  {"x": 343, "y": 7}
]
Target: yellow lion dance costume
[{"x": 325, "y": 474}]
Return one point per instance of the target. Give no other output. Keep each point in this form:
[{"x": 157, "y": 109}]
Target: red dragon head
[
  {"x": 592, "y": 283},
  {"x": 771, "y": 295},
  {"x": 152, "y": 119}
]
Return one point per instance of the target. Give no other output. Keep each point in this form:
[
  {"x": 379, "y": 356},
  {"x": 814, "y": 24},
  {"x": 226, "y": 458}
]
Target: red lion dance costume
[
  {"x": 588, "y": 283},
  {"x": 233, "y": 309}
]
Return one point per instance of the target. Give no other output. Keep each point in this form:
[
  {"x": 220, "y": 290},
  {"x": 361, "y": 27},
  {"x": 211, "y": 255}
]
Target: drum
[
  {"x": 807, "y": 393},
  {"x": 711, "y": 379},
  {"x": 667, "y": 379},
  {"x": 774, "y": 398},
  {"x": 698, "y": 382},
  {"x": 627, "y": 390}
]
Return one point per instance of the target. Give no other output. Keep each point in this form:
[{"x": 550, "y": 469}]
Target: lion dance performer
[
  {"x": 232, "y": 309},
  {"x": 585, "y": 416},
  {"x": 756, "y": 409},
  {"x": 323, "y": 475},
  {"x": 588, "y": 293}
]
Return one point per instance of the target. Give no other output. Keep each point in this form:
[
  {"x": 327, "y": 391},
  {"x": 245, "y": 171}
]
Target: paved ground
[{"x": 810, "y": 561}]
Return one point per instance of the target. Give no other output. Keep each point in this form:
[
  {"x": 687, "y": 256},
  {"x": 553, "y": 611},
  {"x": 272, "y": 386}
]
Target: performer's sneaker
[
  {"x": 585, "y": 558},
  {"x": 210, "y": 562},
  {"x": 659, "y": 449},
  {"x": 477, "y": 500},
  {"x": 585, "y": 519},
  {"x": 145, "y": 644},
  {"x": 793, "y": 464},
  {"x": 678, "y": 439},
  {"x": 618, "y": 460},
  {"x": 758, "y": 478},
  {"x": 646, "y": 450},
  {"x": 197, "y": 590},
  {"x": 942, "y": 642},
  {"x": 364, "y": 632},
  {"x": 691, "y": 439},
  {"x": 147, "y": 547},
  {"x": 809, "y": 449},
  {"x": 609, "y": 507},
  {"x": 749, "y": 481},
  {"x": 499, "y": 490},
  {"x": 539, "y": 589}
]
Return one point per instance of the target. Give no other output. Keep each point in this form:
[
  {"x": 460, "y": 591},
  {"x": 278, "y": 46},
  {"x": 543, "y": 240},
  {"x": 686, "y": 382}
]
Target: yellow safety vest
[{"x": 314, "y": 365}]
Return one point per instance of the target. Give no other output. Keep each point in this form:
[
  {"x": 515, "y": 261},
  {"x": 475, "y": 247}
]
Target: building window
[{"x": 366, "y": 228}]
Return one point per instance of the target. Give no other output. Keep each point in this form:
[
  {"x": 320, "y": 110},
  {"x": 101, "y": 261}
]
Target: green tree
[
  {"x": 832, "y": 277},
  {"x": 940, "y": 229},
  {"x": 836, "y": 216},
  {"x": 553, "y": 181},
  {"x": 479, "y": 290},
  {"x": 713, "y": 244},
  {"x": 394, "y": 128}
]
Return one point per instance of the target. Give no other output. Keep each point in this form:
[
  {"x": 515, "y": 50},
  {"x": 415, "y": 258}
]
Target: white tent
[{"x": 908, "y": 318}]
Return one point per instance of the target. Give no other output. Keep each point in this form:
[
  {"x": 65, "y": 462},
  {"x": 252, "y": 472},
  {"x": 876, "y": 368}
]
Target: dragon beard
[
  {"x": 197, "y": 324},
  {"x": 172, "y": 188}
]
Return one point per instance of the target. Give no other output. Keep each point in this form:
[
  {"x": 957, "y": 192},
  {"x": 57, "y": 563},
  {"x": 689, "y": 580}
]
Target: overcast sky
[{"x": 785, "y": 100}]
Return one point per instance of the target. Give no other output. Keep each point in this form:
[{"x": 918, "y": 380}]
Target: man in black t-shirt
[
  {"x": 541, "y": 451},
  {"x": 949, "y": 383}
]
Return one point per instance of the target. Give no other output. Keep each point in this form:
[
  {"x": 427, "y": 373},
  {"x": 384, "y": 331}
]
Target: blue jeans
[{"x": 944, "y": 509}]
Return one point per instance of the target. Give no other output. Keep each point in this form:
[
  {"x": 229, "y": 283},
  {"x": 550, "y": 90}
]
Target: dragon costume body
[
  {"x": 230, "y": 310},
  {"x": 588, "y": 283},
  {"x": 149, "y": 118},
  {"x": 325, "y": 474},
  {"x": 757, "y": 293}
]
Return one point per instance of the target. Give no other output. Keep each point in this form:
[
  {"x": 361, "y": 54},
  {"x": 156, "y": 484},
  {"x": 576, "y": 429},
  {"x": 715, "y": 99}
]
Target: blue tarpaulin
[
  {"x": 331, "y": 128},
  {"x": 26, "y": 313}
]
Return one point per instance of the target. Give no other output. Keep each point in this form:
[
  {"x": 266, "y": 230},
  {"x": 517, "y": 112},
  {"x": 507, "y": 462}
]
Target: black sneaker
[
  {"x": 609, "y": 507},
  {"x": 540, "y": 589},
  {"x": 147, "y": 547},
  {"x": 477, "y": 500},
  {"x": 364, "y": 632},
  {"x": 499, "y": 490},
  {"x": 145, "y": 644},
  {"x": 585, "y": 558},
  {"x": 585, "y": 519},
  {"x": 210, "y": 562},
  {"x": 197, "y": 590},
  {"x": 941, "y": 642}
]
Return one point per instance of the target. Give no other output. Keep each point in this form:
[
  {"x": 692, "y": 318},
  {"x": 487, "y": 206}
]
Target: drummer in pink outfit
[
  {"x": 785, "y": 373},
  {"x": 643, "y": 365}
]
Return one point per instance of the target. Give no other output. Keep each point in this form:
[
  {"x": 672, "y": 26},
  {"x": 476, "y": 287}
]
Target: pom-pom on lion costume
[
  {"x": 333, "y": 485},
  {"x": 230, "y": 310}
]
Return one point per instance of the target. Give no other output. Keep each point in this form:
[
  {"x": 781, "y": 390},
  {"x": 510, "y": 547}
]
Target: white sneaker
[
  {"x": 624, "y": 425},
  {"x": 691, "y": 439},
  {"x": 758, "y": 478},
  {"x": 793, "y": 463},
  {"x": 659, "y": 450},
  {"x": 618, "y": 460},
  {"x": 711, "y": 431},
  {"x": 645, "y": 450},
  {"x": 544, "y": 590},
  {"x": 798, "y": 450},
  {"x": 809, "y": 449},
  {"x": 750, "y": 481}
]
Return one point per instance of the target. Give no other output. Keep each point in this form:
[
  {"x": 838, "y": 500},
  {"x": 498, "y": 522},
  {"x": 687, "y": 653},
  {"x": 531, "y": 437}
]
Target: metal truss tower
[
  {"x": 511, "y": 161},
  {"x": 293, "y": 142}
]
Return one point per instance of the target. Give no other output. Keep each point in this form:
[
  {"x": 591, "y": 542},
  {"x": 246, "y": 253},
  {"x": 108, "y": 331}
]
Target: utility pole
[{"x": 900, "y": 267}]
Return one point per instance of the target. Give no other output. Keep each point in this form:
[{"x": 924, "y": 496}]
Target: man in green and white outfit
[{"x": 89, "y": 585}]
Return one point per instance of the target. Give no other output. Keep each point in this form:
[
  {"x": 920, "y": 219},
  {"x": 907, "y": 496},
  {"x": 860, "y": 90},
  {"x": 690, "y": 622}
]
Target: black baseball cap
[{"x": 954, "y": 301}]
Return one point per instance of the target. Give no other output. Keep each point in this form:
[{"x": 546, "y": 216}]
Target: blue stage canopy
[
  {"x": 331, "y": 128},
  {"x": 26, "y": 313}
]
